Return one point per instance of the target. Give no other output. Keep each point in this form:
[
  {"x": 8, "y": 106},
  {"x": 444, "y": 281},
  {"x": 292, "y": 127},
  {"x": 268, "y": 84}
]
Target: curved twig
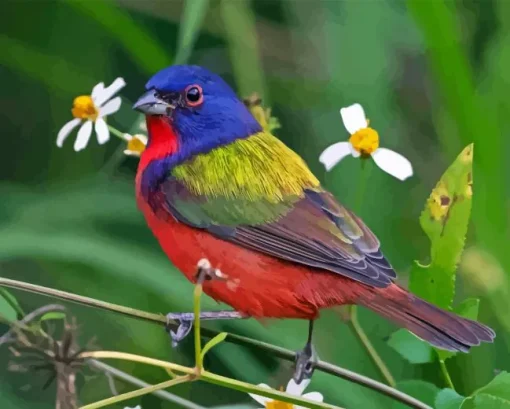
[{"x": 232, "y": 338}]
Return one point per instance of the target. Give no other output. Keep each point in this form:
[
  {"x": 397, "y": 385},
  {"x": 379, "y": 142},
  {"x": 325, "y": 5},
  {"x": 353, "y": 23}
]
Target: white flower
[
  {"x": 91, "y": 109},
  {"x": 364, "y": 142},
  {"x": 135, "y": 144},
  {"x": 293, "y": 389},
  {"x": 136, "y": 407}
]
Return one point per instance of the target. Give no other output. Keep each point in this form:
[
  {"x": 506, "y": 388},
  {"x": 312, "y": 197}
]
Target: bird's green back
[{"x": 249, "y": 181}]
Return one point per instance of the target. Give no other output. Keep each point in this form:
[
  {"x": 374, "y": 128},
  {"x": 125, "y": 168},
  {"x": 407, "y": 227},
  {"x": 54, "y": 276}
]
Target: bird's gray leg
[
  {"x": 184, "y": 320},
  {"x": 306, "y": 359}
]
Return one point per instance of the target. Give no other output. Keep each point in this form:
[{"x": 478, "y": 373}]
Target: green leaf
[
  {"x": 191, "y": 20},
  {"x": 12, "y": 301},
  {"x": 467, "y": 309},
  {"x": 445, "y": 221},
  {"x": 421, "y": 390},
  {"x": 494, "y": 395},
  {"x": 143, "y": 47},
  {"x": 240, "y": 32},
  {"x": 410, "y": 347},
  {"x": 7, "y": 313},
  {"x": 448, "y": 399},
  {"x": 53, "y": 315},
  {"x": 212, "y": 343}
]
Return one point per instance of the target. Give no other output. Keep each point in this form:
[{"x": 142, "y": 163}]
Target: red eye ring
[{"x": 194, "y": 95}]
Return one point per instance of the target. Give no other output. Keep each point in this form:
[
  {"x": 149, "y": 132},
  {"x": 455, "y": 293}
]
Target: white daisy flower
[
  {"x": 364, "y": 142},
  {"x": 293, "y": 389},
  {"x": 135, "y": 144},
  {"x": 91, "y": 109}
]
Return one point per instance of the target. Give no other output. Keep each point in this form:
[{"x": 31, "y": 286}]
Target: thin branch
[
  {"x": 210, "y": 377},
  {"x": 232, "y": 338},
  {"x": 371, "y": 351},
  {"x": 136, "y": 393},
  {"x": 28, "y": 318},
  {"x": 117, "y": 373}
]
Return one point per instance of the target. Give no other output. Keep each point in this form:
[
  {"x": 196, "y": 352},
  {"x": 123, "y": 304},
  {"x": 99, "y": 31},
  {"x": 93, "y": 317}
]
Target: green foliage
[
  {"x": 448, "y": 399},
  {"x": 239, "y": 24},
  {"x": 143, "y": 47},
  {"x": 421, "y": 390},
  {"x": 53, "y": 315},
  {"x": 494, "y": 395},
  {"x": 191, "y": 20},
  {"x": 445, "y": 220},
  {"x": 7, "y": 313},
  {"x": 410, "y": 347},
  {"x": 212, "y": 343}
]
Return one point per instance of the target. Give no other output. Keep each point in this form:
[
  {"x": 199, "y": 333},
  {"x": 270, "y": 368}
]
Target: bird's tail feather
[{"x": 440, "y": 328}]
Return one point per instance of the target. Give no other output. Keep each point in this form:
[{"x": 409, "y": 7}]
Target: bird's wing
[{"x": 314, "y": 230}]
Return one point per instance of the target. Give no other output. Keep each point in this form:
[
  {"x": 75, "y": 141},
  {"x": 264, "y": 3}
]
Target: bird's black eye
[{"x": 194, "y": 95}]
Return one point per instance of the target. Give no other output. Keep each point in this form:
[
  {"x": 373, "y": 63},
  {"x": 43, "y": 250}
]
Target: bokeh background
[{"x": 432, "y": 79}]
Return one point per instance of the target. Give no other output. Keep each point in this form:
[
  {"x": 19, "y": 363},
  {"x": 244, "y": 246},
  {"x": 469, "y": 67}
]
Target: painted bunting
[{"x": 216, "y": 188}]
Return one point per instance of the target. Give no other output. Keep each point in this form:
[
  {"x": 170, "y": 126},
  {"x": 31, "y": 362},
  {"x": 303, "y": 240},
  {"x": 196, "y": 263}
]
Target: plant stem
[
  {"x": 117, "y": 373},
  {"x": 117, "y": 133},
  {"x": 276, "y": 351},
  {"x": 138, "y": 392},
  {"x": 196, "y": 333},
  {"x": 362, "y": 337},
  {"x": 353, "y": 309},
  {"x": 211, "y": 378},
  {"x": 446, "y": 374}
]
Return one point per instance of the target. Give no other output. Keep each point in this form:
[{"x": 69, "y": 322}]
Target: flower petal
[
  {"x": 354, "y": 118},
  {"x": 261, "y": 399},
  {"x": 66, "y": 130},
  {"x": 335, "y": 153},
  {"x": 109, "y": 91},
  {"x": 97, "y": 90},
  {"x": 83, "y": 136},
  {"x": 393, "y": 163},
  {"x": 297, "y": 388},
  {"x": 315, "y": 396},
  {"x": 102, "y": 131},
  {"x": 110, "y": 107}
]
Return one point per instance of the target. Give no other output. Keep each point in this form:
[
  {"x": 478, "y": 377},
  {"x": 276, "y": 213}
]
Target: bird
[{"x": 216, "y": 189}]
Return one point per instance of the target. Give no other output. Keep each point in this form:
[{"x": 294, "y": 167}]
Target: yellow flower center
[
  {"x": 276, "y": 404},
  {"x": 135, "y": 145},
  {"x": 84, "y": 108},
  {"x": 365, "y": 141}
]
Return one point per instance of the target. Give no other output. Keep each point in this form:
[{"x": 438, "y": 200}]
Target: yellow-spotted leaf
[{"x": 445, "y": 221}]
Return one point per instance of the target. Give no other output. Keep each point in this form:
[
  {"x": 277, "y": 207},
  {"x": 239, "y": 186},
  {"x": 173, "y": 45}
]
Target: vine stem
[
  {"x": 353, "y": 309},
  {"x": 207, "y": 376},
  {"x": 197, "y": 293},
  {"x": 117, "y": 133},
  {"x": 117, "y": 373},
  {"x": 446, "y": 374},
  {"x": 136, "y": 393},
  {"x": 277, "y": 351},
  {"x": 362, "y": 336}
]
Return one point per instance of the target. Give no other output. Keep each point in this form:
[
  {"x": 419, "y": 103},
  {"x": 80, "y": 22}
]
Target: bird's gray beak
[{"x": 150, "y": 104}]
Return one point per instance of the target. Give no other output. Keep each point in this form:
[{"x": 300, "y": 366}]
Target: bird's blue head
[{"x": 195, "y": 108}]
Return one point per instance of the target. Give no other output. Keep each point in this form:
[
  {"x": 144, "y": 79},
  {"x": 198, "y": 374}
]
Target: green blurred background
[{"x": 432, "y": 77}]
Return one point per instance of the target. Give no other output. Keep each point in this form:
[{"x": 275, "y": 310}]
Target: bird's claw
[
  {"x": 305, "y": 363},
  {"x": 183, "y": 329}
]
